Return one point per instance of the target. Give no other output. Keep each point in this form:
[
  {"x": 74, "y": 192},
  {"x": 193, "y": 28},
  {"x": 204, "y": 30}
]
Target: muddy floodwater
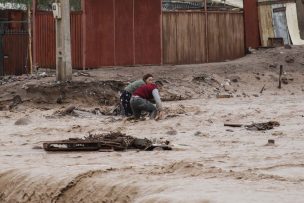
[{"x": 209, "y": 162}]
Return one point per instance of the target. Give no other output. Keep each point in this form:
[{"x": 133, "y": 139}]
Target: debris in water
[
  {"x": 16, "y": 101},
  {"x": 255, "y": 126},
  {"x": 263, "y": 126},
  {"x": 233, "y": 125},
  {"x": 222, "y": 96},
  {"x": 113, "y": 141},
  {"x": 270, "y": 142}
]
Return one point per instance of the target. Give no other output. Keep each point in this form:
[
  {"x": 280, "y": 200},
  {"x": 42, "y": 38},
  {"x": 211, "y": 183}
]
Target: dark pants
[
  {"x": 139, "y": 104},
  {"x": 125, "y": 101}
]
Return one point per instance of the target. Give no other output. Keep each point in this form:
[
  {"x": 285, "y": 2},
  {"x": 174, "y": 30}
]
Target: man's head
[
  {"x": 159, "y": 84},
  {"x": 148, "y": 78}
]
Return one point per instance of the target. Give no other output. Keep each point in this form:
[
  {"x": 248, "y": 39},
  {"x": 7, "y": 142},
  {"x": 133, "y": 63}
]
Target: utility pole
[{"x": 61, "y": 11}]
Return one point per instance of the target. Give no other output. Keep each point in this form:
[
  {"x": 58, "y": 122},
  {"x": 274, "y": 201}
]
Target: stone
[
  {"x": 235, "y": 79},
  {"x": 289, "y": 59},
  {"x": 23, "y": 121},
  {"x": 171, "y": 132},
  {"x": 228, "y": 88}
]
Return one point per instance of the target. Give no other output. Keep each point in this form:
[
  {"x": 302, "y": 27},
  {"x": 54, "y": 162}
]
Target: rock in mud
[
  {"x": 289, "y": 59},
  {"x": 228, "y": 88},
  {"x": 223, "y": 96},
  {"x": 235, "y": 79},
  {"x": 262, "y": 126},
  {"x": 287, "y": 46},
  {"x": 171, "y": 132},
  {"x": 23, "y": 121},
  {"x": 15, "y": 102},
  {"x": 68, "y": 110}
]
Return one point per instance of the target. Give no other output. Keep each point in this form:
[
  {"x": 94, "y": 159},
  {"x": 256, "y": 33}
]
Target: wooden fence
[{"x": 186, "y": 40}]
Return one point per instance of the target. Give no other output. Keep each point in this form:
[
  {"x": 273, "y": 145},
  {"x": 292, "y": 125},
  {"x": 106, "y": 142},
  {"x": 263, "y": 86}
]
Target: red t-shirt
[{"x": 145, "y": 91}]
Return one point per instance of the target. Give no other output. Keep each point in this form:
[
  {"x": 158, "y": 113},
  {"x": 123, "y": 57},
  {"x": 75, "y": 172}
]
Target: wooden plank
[
  {"x": 169, "y": 38},
  {"x": 203, "y": 43},
  {"x": 300, "y": 13},
  {"x": 213, "y": 37},
  {"x": 196, "y": 38},
  {"x": 234, "y": 125},
  {"x": 184, "y": 37},
  {"x": 265, "y": 25},
  {"x": 181, "y": 37},
  {"x": 240, "y": 36},
  {"x": 224, "y": 36}
]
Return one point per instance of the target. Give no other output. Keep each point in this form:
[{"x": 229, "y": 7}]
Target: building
[{"x": 272, "y": 22}]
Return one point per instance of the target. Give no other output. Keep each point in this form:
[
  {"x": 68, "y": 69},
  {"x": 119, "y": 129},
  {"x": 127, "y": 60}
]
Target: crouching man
[{"x": 140, "y": 100}]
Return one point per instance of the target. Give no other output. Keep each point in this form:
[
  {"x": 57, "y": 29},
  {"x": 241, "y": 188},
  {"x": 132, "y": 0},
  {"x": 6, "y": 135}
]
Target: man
[
  {"x": 130, "y": 89},
  {"x": 140, "y": 100}
]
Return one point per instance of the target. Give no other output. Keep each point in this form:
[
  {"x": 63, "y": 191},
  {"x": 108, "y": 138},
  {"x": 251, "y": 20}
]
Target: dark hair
[
  {"x": 159, "y": 83},
  {"x": 145, "y": 77}
]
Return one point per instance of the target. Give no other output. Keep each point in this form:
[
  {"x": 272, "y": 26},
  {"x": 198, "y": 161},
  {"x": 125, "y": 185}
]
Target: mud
[{"x": 207, "y": 163}]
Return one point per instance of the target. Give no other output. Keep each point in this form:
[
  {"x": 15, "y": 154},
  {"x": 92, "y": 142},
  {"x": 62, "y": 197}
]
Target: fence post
[
  {"x": 34, "y": 38},
  {"x": 63, "y": 43},
  {"x": 206, "y": 31},
  {"x": 30, "y": 37}
]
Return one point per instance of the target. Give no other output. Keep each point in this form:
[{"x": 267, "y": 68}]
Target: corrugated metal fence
[
  {"x": 45, "y": 40},
  {"x": 15, "y": 52},
  {"x": 122, "y": 32},
  {"x": 186, "y": 41},
  {"x": 45, "y": 36}
]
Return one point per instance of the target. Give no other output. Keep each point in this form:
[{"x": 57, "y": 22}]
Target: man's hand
[{"x": 160, "y": 115}]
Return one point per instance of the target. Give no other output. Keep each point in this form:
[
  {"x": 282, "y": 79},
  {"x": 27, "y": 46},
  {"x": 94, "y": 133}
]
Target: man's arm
[{"x": 157, "y": 99}]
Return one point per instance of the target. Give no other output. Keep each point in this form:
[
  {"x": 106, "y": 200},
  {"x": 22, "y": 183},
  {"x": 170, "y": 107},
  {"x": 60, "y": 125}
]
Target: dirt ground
[{"x": 209, "y": 162}]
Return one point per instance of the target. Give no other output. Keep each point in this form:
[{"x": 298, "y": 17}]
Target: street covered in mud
[{"x": 235, "y": 136}]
